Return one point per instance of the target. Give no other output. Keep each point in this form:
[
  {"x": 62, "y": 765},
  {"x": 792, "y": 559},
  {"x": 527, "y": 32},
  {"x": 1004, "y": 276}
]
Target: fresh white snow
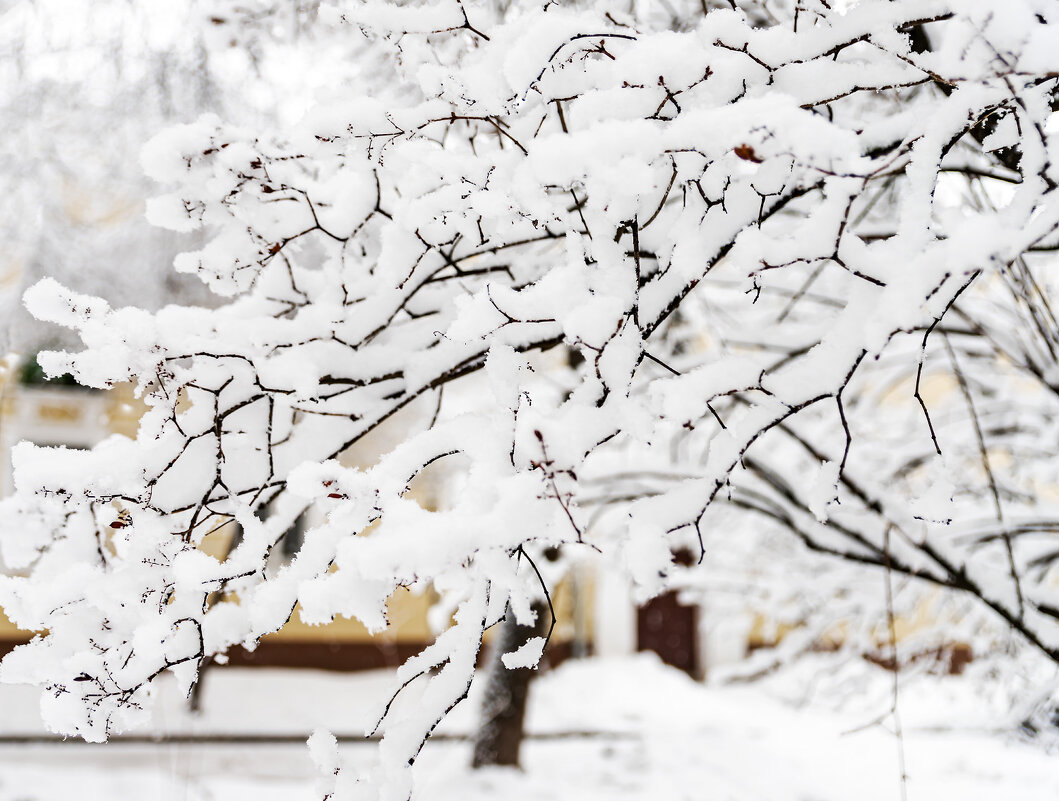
[{"x": 660, "y": 736}]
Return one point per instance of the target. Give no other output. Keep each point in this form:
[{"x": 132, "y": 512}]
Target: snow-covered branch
[{"x": 752, "y": 238}]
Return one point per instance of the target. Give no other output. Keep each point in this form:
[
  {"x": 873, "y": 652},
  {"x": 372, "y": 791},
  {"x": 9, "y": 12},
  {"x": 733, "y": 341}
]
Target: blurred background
[{"x": 83, "y": 85}]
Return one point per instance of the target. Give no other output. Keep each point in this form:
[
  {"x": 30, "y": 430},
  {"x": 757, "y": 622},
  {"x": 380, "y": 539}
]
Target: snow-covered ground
[{"x": 662, "y": 737}]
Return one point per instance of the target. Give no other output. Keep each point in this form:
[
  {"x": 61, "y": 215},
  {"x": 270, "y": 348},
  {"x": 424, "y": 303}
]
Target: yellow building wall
[{"x": 121, "y": 412}]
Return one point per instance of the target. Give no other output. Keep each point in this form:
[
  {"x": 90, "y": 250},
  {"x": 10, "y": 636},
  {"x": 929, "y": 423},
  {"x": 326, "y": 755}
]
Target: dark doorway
[{"x": 669, "y": 628}]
